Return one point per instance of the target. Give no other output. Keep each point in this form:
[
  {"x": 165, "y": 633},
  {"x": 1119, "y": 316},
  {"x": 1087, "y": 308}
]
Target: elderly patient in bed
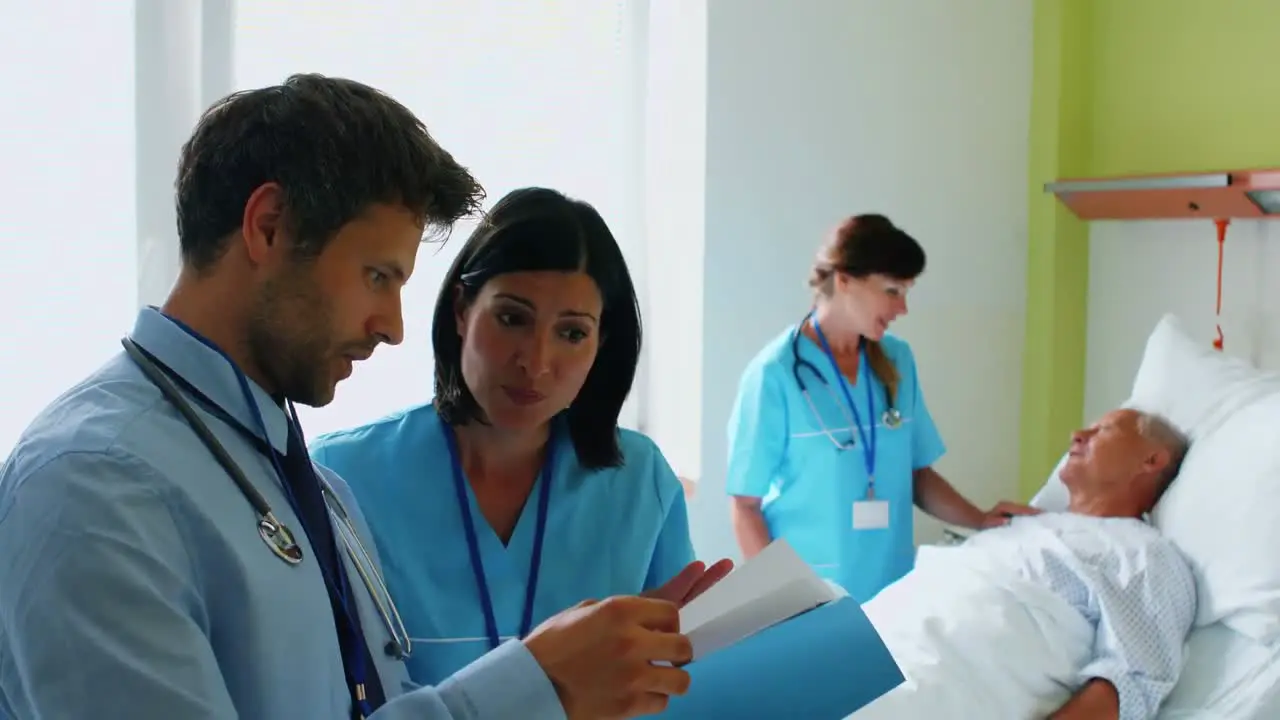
[{"x": 1078, "y": 614}]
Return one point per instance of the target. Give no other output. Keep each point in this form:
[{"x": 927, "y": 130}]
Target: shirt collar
[{"x": 211, "y": 373}]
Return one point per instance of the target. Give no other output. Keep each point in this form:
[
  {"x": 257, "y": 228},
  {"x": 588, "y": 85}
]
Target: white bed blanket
[{"x": 976, "y": 641}]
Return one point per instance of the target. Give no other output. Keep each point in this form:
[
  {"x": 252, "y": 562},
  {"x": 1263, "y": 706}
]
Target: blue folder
[{"x": 820, "y": 665}]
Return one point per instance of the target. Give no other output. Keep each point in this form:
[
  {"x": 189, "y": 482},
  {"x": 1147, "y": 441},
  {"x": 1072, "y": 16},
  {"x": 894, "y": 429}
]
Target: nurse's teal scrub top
[
  {"x": 778, "y": 451},
  {"x": 616, "y": 531}
]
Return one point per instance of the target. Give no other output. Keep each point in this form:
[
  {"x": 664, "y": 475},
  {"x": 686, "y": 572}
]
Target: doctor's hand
[
  {"x": 1003, "y": 511},
  {"x": 695, "y": 579},
  {"x": 601, "y": 657}
]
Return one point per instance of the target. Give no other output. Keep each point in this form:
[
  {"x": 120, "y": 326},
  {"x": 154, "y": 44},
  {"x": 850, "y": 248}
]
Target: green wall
[
  {"x": 1188, "y": 85},
  {"x": 1058, "y": 243},
  {"x": 1126, "y": 87}
]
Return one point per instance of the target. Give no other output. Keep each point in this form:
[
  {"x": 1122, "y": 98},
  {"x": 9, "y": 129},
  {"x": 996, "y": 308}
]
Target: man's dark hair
[
  {"x": 539, "y": 229},
  {"x": 334, "y": 146}
]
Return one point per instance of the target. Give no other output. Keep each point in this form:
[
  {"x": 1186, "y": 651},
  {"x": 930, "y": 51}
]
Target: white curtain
[
  {"x": 96, "y": 97},
  {"x": 523, "y": 92},
  {"x": 67, "y": 198}
]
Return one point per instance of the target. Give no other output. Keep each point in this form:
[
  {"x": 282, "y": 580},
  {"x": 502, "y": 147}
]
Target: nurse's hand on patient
[
  {"x": 1003, "y": 512},
  {"x": 695, "y": 579},
  {"x": 603, "y": 658}
]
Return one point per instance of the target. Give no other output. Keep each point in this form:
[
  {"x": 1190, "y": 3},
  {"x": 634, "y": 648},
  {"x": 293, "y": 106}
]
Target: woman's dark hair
[
  {"x": 869, "y": 245},
  {"x": 537, "y": 229}
]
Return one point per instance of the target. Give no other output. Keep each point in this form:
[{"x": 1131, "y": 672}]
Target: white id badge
[{"x": 870, "y": 514}]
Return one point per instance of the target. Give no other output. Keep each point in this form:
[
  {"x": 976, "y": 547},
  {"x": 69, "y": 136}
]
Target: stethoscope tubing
[{"x": 400, "y": 645}]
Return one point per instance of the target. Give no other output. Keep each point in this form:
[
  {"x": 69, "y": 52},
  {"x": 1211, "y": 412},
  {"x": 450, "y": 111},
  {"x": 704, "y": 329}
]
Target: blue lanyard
[
  {"x": 868, "y": 445},
  {"x": 473, "y": 542},
  {"x": 339, "y": 586}
]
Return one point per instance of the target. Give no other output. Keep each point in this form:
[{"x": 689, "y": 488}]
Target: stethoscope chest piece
[
  {"x": 280, "y": 539},
  {"x": 892, "y": 418}
]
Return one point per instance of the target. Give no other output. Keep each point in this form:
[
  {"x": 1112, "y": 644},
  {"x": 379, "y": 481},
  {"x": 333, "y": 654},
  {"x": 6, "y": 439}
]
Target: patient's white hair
[{"x": 1160, "y": 431}]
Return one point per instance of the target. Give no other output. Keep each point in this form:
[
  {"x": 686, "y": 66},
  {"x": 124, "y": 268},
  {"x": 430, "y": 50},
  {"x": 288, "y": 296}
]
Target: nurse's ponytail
[
  {"x": 882, "y": 365},
  {"x": 861, "y": 246}
]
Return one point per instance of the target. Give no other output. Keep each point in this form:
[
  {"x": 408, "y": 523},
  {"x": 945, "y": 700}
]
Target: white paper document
[{"x": 772, "y": 587}]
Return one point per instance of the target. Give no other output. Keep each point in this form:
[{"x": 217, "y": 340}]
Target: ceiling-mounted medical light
[
  {"x": 1172, "y": 182},
  {"x": 1243, "y": 195},
  {"x": 1268, "y": 201}
]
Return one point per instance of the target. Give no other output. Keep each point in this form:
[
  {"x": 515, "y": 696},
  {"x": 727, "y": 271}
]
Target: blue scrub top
[
  {"x": 609, "y": 532},
  {"x": 779, "y": 452},
  {"x": 133, "y": 582}
]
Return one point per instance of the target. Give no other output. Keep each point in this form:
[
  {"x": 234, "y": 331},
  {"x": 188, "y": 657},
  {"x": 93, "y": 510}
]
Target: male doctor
[{"x": 139, "y": 579}]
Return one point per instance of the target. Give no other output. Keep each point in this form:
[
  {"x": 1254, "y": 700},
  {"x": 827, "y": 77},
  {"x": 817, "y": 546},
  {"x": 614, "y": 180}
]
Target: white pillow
[
  {"x": 1223, "y": 510},
  {"x": 1053, "y": 497}
]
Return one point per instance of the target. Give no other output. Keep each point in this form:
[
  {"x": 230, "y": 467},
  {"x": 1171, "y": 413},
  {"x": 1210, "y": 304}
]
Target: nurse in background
[
  {"x": 514, "y": 494},
  {"x": 830, "y": 441}
]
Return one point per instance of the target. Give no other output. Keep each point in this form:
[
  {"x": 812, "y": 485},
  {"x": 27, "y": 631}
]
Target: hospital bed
[
  {"x": 1222, "y": 513},
  {"x": 1228, "y": 675}
]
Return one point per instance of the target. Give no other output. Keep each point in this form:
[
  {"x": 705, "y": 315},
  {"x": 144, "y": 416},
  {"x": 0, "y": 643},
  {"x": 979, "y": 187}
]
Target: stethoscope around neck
[
  {"x": 891, "y": 418},
  {"x": 274, "y": 533}
]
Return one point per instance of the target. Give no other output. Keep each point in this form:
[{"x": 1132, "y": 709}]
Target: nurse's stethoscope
[
  {"x": 273, "y": 532},
  {"x": 890, "y": 418}
]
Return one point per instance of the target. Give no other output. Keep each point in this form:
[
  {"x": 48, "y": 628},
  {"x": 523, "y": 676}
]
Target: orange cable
[{"x": 1222, "y": 224}]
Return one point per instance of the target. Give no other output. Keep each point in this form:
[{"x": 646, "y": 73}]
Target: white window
[
  {"x": 67, "y": 199},
  {"x": 523, "y": 92}
]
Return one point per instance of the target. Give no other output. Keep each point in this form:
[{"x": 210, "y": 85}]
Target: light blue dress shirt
[
  {"x": 133, "y": 581},
  {"x": 783, "y": 449},
  {"x": 614, "y": 531}
]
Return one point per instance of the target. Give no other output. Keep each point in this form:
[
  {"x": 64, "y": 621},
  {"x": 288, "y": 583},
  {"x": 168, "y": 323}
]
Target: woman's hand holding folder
[{"x": 614, "y": 659}]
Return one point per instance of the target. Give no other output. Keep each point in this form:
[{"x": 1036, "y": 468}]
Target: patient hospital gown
[{"x": 1132, "y": 584}]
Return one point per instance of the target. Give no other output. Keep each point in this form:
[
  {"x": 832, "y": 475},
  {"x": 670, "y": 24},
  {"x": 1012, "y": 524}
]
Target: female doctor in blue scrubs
[
  {"x": 514, "y": 495},
  {"x": 830, "y": 440}
]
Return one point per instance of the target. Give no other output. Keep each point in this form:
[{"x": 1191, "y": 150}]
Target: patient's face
[{"x": 1110, "y": 451}]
